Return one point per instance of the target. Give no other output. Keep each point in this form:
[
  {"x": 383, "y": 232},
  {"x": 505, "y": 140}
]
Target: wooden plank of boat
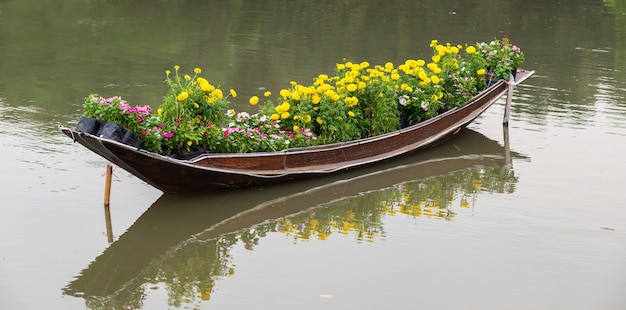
[{"x": 214, "y": 171}]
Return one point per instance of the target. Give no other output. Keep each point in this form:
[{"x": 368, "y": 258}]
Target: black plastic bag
[
  {"x": 132, "y": 139},
  {"x": 113, "y": 131},
  {"x": 87, "y": 125}
]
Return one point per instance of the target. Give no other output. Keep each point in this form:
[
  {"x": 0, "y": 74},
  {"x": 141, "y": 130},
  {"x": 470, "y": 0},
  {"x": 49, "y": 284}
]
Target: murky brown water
[{"x": 454, "y": 227}]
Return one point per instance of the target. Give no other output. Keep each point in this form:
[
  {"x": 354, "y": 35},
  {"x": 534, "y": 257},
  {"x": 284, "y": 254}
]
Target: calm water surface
[{"x": 531, "y": 217}]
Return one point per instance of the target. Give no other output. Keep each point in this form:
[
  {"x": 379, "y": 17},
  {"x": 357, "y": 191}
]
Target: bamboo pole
[
  {"x": 509, "y": 98},
  {"x": 107, "y": 185}
]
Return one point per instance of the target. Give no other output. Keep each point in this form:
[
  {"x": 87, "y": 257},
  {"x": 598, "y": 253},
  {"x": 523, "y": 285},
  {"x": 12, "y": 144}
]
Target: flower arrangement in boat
[
  {"x": 115, "y": 109},
  {"x": 359, "y": 100},
  {"x": 499, "y": 56}
]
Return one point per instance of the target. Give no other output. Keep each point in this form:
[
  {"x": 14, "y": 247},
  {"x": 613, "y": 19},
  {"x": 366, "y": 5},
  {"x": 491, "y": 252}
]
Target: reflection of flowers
[{"x": 191, "y": 270}]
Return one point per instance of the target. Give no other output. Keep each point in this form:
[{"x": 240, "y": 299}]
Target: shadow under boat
[{"x": 172, "y": 221}]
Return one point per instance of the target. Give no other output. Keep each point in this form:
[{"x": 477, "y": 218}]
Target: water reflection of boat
[
  {"x": 215, "y": 171},
  {"x": 164, "y": 237}
]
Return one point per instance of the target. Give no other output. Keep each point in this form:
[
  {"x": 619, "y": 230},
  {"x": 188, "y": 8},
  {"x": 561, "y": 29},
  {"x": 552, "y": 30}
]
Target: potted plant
[
  {"x": 113, "y": 118},
  {"x": 500, "y": 56}
]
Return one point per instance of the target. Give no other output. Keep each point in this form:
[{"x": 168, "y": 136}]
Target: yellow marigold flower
[
  {"x": 182, "y": 96},
  {"x": 267, "y": 93},
  {"x": 388, "y": 66},
  {"x": 218, "y": 93},
  {"x": 442, "y": 50},
  {"x": 431, "y": 66},
  {"x": 307, "y": 119},
  {"x": 322, "y": 88},
  {"x": 284, "y": 93},
  {"x": 295, "y": 95},
  {"x": 352, "y": 101},
  {"x": 187, "y": 77},
  {"x": 420, "y": 62},
  {"x": 233, "y": 93},
  {"x": 364, "y": 65},
  {"x": 470, "y": 50},
  {"x": 201, "y": 80},
  {"x": 433, "y": 43},
  {"x": 197, "y": 70},
  {"x": 481, "y": 71},
  {"x": 286, "y": 106},
  {"x": 315, "y": 99},
  {"x": 254, "y": 100},
  {"x": 351, "y": 87},
  {"x": 176, "y": 67},
  {"x": 351, "y": 114},
  {"x": 160, "y": 112},
  {"x": 167, "y": 72},
  {"x": 275, "y": 117},
  {"x": 395, "y": 76},
  {"x": 422, "y": 75},
  {"x": 284, "y": 115},
  {"x": 454, "y": 49},
  {"x": 434, "y": 79},
  {"x": 207, "y": 87},
  {"x": 341, "y": 67},
  {"x": 335, "y": 97},
  {"x": 437, "y": 70},
  {"x": 436, "y": 59},
  {"x": 195, "y": 105},
  {"x": 319, "y": 120},
  {"x": 296, "y": 128}
]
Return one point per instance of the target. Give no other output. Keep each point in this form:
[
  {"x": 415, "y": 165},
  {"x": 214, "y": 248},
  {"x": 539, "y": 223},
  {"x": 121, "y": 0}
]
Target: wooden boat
[
  {"x": 174, "y": 224},
  {"x": 214, "y": 171}
]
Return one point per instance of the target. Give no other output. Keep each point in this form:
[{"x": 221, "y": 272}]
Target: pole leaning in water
[
  {"x": 107, "y": 209},
  {"x": 509, "y": 98}
]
